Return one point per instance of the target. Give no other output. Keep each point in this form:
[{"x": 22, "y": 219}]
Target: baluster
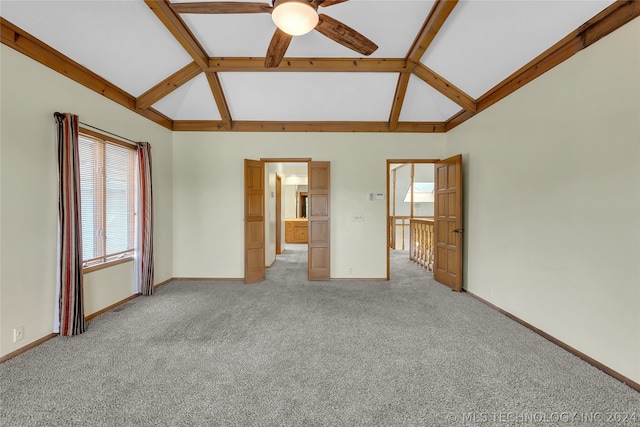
[
  {"x": 425, "y": 245},
  {"x": 431, "y": 246},
  {"x": 417, "y": 243},
  {"x": 422, "y": 244},
  {"x": 412, "y": 238},
  {"x": 418, "y": 240}
]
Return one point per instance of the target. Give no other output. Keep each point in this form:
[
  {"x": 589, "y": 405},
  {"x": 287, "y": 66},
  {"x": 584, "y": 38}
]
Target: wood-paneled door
[
  {"x": 448, "y": 222},
  {"x": 254, "y": 240},
  {"x": 319, "y": 267}
]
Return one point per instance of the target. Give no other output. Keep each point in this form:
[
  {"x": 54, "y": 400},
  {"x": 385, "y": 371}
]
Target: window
[
  {"x": 422, "y": 192},
  {"x": 107, "y": 185}
]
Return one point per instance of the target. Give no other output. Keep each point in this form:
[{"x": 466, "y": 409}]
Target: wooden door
[
  {"x": 448, "y": 222},
  {"x": 319, "y": 248},
  {"x": 278, "y": 214},
  {"x": 254, "y": 245}
]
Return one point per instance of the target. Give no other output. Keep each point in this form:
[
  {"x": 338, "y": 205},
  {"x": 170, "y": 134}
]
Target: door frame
[
  {"x": 388, "y": 165},
  {"x": 278, "y": 214},
  {"x": 264, "y": 160},
  {"x": 302, "y": 196}
]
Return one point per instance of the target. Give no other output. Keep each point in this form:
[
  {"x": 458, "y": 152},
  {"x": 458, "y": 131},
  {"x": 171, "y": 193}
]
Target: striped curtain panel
[
  {"x": 70, "y": 310},
  {"x": 144, "y": 225}
]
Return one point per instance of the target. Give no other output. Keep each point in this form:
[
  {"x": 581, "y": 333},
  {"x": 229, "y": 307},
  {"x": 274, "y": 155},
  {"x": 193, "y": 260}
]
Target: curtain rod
[{"x": 110, "y": 133}]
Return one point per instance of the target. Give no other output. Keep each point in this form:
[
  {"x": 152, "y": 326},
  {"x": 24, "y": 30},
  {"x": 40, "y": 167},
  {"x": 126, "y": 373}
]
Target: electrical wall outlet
[
  {"x": 18, "y": 333},
  {"x": 349, "y": 271}
]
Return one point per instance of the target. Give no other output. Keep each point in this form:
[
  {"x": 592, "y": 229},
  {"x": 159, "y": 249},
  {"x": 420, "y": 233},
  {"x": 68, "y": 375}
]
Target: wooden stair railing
[{"x": 421, "y": 250}]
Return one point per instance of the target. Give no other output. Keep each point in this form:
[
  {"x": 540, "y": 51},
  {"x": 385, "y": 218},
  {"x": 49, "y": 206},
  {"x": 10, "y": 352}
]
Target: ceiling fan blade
[
  {"x": 221, "y": 7},
  {"x": 277, "y": 48},
  {"x": 327, "y": 3},
  {"x": 346, "y": 36}
]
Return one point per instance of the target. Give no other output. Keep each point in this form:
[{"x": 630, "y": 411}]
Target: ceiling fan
[{"x": 292, "y": 18}]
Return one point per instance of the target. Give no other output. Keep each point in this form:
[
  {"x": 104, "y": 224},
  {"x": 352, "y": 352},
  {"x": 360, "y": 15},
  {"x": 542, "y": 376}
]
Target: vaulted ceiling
[{"x": 438, "y": 62}]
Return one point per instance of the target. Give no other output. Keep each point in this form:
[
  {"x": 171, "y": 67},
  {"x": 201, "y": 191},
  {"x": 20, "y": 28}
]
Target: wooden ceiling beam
[
  {"x": 158, "y": 117},
  {"x": 222, "y": 7},
  {"x": 251, "y": 126},
  {"x": 167, "y": 86},
  {"x": 436, "y": 19},
  {"x": 398, "y": 100},
  {"x": 458, "y": 119},
  {"x": 612, "y": 18},
  {"x": 23, "y": 42},
  {"x": 221, "y": 101},
  {"x": 28, "y": 45},
  {"x": 445, "y": 87},
  {"x": 180, "y": 31},
  {"x": 609, "y": 20},
  {"x": 339, "y": 65}
]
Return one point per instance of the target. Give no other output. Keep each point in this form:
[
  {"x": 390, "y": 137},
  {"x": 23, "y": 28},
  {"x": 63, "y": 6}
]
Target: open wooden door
[
  {"x": 254, "y": 270},
  {"x": 448, "y": 222},
  {"x": 319, "y": 249}
]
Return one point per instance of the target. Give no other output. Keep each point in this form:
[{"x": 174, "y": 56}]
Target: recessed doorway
[
  {"x": 410, "y": 218},
  {"x": 286, "y": 215},
  {"x": 260, "y": 218},
  {"x": 432, "y": 190}
]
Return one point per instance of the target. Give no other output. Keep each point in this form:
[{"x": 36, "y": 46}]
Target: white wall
[
  {"x": 553, "y": 201},
  {"x": 403, "y": 180},
  {"x": 31, "y": 93},
  {"x": 552, "y": 197},
  {"x": 107, "y": 286},
  {"x": 208, "y": 195},
  {"x": 289, "y": 201}
]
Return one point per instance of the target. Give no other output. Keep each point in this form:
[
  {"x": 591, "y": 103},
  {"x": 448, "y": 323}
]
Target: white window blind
[{"x": 107, "y": 184}]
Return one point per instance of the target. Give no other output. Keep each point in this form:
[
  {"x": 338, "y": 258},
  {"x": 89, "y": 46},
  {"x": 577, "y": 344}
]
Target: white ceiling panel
[
  {"x": 229, "y": 35},
  {"x": 191, "y": 101},
  {"x": 480, "y": 44},
  {"x": 121, "y": 41},
  {"x": 422, "y": 103},
  {"x": 309, "y": 96},
  {"x": 485, "y": 41},
  {"x": 392, "y": 25}
]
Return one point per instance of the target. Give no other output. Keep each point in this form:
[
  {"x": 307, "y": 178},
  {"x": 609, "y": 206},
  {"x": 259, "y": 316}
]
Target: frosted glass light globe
[{"x": 295, "y": 17}]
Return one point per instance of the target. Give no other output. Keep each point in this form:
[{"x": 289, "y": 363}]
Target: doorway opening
[
  {"x": 286, "y": 208},
  {"x": 258, "y": 200},
  {"x": 434, "y": 195},
  {"x": 410, "y": 212}
]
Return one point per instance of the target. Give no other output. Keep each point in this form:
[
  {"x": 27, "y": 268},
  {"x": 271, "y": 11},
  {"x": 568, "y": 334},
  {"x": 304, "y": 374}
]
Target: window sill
[{"x": 106, "y": 265}]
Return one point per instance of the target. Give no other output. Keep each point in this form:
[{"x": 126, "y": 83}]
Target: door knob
[{"x": 458, "y": 230}]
